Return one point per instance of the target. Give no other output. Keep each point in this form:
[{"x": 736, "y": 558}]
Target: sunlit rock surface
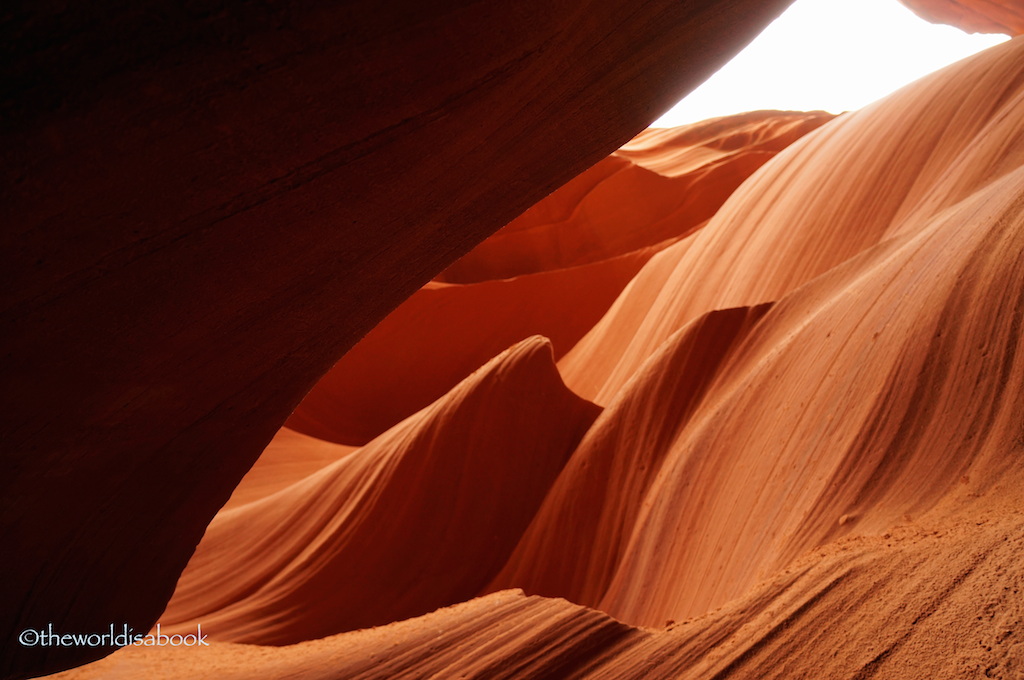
[
  {"x": 789, "y": 444},
  {"x": 973, "y": 16},
  {"x": 553, "y": 271}
]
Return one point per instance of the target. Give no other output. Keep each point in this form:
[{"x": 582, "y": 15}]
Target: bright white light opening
[{"x": 833, "y": 55}]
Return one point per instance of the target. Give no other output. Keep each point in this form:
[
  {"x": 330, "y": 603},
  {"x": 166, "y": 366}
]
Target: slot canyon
[{"x": 387, "y": 340}]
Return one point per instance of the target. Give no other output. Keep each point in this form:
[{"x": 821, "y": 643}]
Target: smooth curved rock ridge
[
  {"x": 598, "y": 496},
  {"x": 801, "y": 471},
  {"x": 804, "y": 214},
  {"x": 864, "y": 395},
  {"x": 973, "y": 16},
  {"x": 877, "y": 418},
  {"x": 504, "y": 636},
  {"x": 678, "y": 151},
  {"x": 421, "y": 517},
  {"x": 916, "y": 602},
  {"x": 570, "y": 254},
  {"x": 663, "y": 184},
  {"x": 290, "y": 457},
  {"x": 444, "y": 332}
]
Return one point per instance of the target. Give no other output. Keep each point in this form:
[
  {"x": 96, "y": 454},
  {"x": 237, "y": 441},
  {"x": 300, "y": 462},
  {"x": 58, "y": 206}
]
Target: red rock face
[
  {"x": 973, "y": 16},
  {"x": 295, "y": 549},
  {"x": 378, "y": 536},
  {"x": 808, "y": 462},
  {"x": 207, "y": 205},
  {"x": 791, "y": 445},
  {"x": 553, "y": 271}
]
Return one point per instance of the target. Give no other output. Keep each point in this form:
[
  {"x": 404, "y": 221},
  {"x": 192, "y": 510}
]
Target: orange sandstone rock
[
  {"x": 662, "y": 185},
  {"x": 973, "y": 16},
  {"x": 809, "y": 462},
  {"x": 207, "y": 205},
  {"x": 421, "y": 517},
  {"x": 568, "y": 257}
]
